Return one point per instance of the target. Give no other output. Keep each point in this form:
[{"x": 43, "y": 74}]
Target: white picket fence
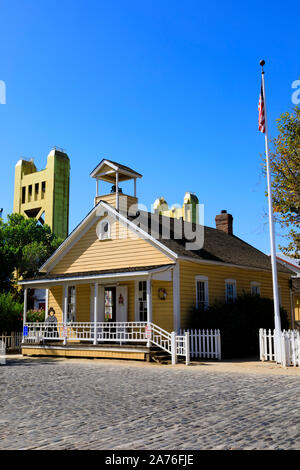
[
  {"x": 11, "y": 342},
  {"x": 289, "y": 347},
  {"x": 204, "y": 343},
  {"x": 266, "y": 345}
]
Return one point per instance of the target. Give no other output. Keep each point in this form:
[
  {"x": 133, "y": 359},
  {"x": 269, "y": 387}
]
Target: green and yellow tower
[
  {"x": 44, "y": 195},
  {"x": 188, "y": 211}
]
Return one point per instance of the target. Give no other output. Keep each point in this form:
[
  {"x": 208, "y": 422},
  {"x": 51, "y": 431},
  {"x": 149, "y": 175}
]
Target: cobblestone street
[{"x": 61, "y": 404}]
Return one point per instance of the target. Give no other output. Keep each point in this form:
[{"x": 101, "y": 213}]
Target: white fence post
[
  {"x": 187, "y": 348},
  {"x": 289, "y": 347},
  {"x": 283, "y": 350},
  {"x": 261, "y": 345},
  {"x": 219, "y": 344},
  {"x": 173, "y": 348}
]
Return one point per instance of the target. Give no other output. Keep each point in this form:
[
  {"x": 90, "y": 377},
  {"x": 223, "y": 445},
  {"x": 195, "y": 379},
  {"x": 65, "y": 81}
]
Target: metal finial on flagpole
[{"x": 262, "y": 63}]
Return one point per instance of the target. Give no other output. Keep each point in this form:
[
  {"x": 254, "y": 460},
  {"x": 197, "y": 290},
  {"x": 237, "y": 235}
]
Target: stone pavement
[{"x": 50, "y": 403}]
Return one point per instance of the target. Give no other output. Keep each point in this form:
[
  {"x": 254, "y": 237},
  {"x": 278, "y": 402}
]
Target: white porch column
[
  {"x": 24, "y": 310},
  {"x": 149, "y": 300},
  {"x": 134, "y": 187},
  {"x": 65, "y": 310},
  {"x": 95, "y": 311},
  {"x": 149, "y": 304},
  {"x": 176, "y": 298},
  {"x": 46, "y": 303},
  {"x": 117, "y": 190},
  {"x": 25, "y": 305}
]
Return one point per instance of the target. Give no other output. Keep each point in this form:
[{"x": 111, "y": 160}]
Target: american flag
[{"x": 261, "y": 112}]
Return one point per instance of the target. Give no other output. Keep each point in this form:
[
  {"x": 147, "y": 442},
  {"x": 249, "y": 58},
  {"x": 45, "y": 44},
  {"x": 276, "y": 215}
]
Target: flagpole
[{"x": 277, "y": 321}]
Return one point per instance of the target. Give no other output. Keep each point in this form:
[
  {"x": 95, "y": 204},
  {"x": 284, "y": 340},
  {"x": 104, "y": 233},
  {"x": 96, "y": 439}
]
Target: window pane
[
  {"x": 142, "y": 298},
  {"x": 104, "y": 230},
  {"x": 229, "y": 292},
  {"x": 71, "y": 313},
  {"x": 202, "y": 299},
  {"x": 255, "y": 290}
]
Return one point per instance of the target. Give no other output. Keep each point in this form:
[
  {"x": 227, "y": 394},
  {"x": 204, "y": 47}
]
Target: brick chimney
[{"x": 224, "y": 222}]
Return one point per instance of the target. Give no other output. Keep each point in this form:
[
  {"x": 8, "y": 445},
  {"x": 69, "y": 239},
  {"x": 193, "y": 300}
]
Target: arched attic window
[{"x": 104, "y": 230}]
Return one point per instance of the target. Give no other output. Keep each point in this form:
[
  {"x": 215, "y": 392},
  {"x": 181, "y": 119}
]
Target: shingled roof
[
  {"x": 87, "y": 274},
  {"x": 218, "y": 246}
]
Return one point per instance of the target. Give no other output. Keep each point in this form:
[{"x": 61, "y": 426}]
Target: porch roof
[{"x": 95, "y": 275}]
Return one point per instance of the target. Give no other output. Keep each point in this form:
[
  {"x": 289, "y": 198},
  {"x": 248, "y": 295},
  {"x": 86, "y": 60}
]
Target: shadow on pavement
[{"x": 14, "y": 361}]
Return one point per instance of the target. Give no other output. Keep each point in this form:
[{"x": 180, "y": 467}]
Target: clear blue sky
[{"x": 169, "y": 88}]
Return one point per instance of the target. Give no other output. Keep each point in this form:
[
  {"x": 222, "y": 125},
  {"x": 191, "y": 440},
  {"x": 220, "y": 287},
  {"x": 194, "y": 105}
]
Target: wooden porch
[
  {"x": 118, "y": 340},
  {"x": 89, "y": 351}
]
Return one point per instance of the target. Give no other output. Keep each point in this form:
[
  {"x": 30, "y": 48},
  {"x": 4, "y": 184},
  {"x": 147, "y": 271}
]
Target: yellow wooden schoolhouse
[{"x": 125, "y": 279}]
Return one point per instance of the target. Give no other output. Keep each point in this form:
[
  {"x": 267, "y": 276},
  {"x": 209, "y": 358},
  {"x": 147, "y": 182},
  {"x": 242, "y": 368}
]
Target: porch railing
[{"x": 114, "y": 332}]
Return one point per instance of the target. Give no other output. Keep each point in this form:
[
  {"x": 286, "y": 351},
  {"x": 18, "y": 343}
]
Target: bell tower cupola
[{"x": 114, "y": 173}]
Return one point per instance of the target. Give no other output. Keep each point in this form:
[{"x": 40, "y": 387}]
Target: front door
[
  {"x": 110, "y": 304},
  {"x": 122, "y": 304}
]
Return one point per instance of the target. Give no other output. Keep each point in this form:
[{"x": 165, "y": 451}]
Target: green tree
[
  {"x": 285, "y": 168},
  {"x": 6, "y": 267},
  {"x": 25, "y": 245},
  {"x": 11, "y": 313}
]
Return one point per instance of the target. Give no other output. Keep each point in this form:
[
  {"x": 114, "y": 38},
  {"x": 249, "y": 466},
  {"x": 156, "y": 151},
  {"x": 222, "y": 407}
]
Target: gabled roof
[
  {"x": 101, "y": 207},
  {"x": 106, "y": 170}
]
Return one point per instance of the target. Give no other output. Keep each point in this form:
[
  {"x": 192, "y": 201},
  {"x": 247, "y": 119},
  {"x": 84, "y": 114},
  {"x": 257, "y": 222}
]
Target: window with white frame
[
  {"x": 201, "y": 292},
  {"x": 255, "y": 288},
  {"x": 230, "y": 290},
  {"x": 142, "y": 300},
  {"x": 71, "y": 312},
  {"x": 104, "y": 230}
]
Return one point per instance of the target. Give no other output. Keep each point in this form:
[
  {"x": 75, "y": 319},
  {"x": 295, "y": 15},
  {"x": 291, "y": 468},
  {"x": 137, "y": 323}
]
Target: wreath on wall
[{"x": 162, "y": 293}]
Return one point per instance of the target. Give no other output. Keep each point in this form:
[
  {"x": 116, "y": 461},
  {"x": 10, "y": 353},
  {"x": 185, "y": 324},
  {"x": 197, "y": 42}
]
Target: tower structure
[
  {"x": 188, "y": 212},
  {"x": 44, "y": 195},
  {"x": 115, "y": 173}
]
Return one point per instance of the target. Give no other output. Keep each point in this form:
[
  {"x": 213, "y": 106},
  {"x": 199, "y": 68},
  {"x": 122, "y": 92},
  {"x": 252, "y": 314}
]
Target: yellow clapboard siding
[
  {"x": 90, "y": 253},
  {"x": 101, "y": 353},
  {"x": 217, "y": 275},
  {"x": 162, "y": 310},
  {"x": 83, "y": 297}
]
